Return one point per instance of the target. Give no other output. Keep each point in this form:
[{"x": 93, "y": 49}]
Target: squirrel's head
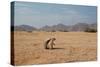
[{"x": 53, "y": 38}]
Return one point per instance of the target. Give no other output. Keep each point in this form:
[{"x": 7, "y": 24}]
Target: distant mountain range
[
  {"x": 24, "y": 28},
  {"x": 58, "y": 27}
]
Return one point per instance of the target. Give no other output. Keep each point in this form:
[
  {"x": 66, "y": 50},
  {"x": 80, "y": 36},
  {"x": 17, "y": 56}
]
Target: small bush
[
  {"x": 29, "y": 31},
  {"x": 53, "y": 31},
  {"x": 90, "y": 30},
  {"x": 65, "y": 31}
]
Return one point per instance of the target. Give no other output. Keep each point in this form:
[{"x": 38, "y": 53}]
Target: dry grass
[{"x": 70, "y": 47}]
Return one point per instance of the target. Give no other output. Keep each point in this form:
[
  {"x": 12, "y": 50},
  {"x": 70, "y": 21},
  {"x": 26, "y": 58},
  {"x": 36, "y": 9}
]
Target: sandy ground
[{"x": 70, "y": 47}]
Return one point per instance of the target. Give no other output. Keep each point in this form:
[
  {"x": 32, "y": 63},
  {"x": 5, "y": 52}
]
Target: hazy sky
[{"x": 41, "y": 14}]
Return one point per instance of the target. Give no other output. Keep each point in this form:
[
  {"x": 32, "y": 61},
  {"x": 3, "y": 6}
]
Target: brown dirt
[{"x": 70, "y": 47}]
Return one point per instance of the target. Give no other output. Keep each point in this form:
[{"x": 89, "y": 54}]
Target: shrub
[
  {"x": 90, "y": 30},
  {"x": 65, "y": 31},
  {"x": 29, "y": 31},
  {"x": 53, "y": 31}
]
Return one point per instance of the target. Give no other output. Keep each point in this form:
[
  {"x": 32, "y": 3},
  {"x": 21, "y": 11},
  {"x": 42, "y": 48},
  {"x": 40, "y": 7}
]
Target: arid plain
[{"x": 70, "y": 47}]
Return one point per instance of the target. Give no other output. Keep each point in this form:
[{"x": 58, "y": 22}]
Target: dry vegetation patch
[{"x": 70, "y": 47}]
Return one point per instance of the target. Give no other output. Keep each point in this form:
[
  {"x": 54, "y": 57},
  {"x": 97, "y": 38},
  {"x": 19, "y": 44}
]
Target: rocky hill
[{"x": 58, "y": 27}]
